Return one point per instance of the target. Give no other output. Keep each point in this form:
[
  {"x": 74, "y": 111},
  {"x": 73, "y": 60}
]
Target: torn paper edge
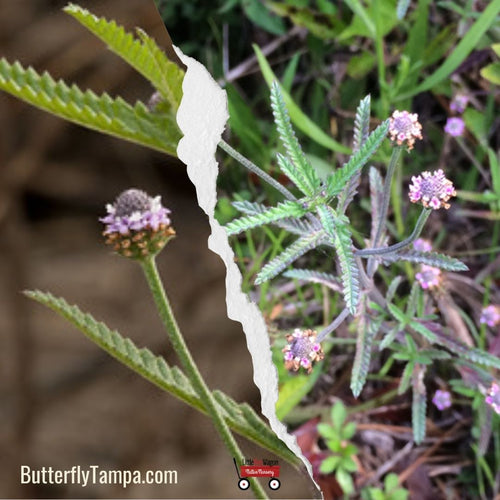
[{"x": 202, "y": 117}]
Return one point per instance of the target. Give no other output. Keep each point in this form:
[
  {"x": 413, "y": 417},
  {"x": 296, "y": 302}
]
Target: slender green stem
[
  {"x": 396, "y": 153},
  {"x": 424, "y": 215},
  {"x": 256, "y": 170},
  {"x": 168, "y": 319}
]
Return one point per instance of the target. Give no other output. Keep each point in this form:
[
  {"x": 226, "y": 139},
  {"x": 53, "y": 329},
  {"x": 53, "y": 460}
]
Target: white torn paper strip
[{"x": 202, "y": 117}]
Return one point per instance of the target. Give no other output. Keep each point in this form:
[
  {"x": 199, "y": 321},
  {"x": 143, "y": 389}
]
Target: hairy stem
[
  {"x": 256, "y": 170},
  {"x": 333, "y": 325},
  {"x": 396, "y": 153},
  {"x": 424, "y": 215},
  {"x": 169, "y": 322}
]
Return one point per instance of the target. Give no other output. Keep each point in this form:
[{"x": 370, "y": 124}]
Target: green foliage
[
  {"x": 391, "y": 490},
  {"x": 337, "y": 436},
  {"x": 101, "y": 113},
  {"x": 367, "y": 328},
  {"x": 143, "y": 55},
  {"x": 296, "y": 166},
  {"x": 290, "y": 255},
  {"x": 240, "y": 417},
  {"x": 337, "y": 181},
  {"x": 430, "y": 258},
  {"x": 155, "y": 129},
  {"x": 283, "y": 210}
]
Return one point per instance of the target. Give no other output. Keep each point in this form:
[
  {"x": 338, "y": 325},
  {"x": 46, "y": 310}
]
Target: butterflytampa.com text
[{"x": 94, "y": 474}]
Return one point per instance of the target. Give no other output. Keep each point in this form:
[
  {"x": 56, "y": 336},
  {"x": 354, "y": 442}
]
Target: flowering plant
[{"x": 318, "y": 216}]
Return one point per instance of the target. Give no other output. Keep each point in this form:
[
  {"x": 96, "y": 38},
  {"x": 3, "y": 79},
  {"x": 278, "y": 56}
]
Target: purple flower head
[
  {"x": 454, "y": 126},
  {"x": 137, "y": 225},
  {"x": 429, "y": 277},
  {"x": 490, "y": 315},
  {"x": 404, "y": 128},
  {"x": 302, "y": 350},
  {"x": 442, "y": 400},
  {"x": 432, "y": 190},
  {"x": 493, "y": 397},
  {"x": 422, "y": 245},
  {"x": 459, "y": 103}
]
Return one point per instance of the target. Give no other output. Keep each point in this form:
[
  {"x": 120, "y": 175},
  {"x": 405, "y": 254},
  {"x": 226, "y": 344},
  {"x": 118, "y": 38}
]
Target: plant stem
[
  {"x": 169, "y": 322},
  {"x": 386, "y": 196},
  {"x": 256, "y": 170},
  {"x": 333, "y": 325},
  {"x": 424, "y": 215}
]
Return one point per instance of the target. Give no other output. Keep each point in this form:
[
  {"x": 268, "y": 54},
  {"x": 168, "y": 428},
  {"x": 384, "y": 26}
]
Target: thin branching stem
[
  {"x": 333, "y": 325},
  {"x": 367, "y": 252},
  {"x": 396, "y": 153},
  {"x": 169, "y": 322},
  {"x": 256, "y": 170}
]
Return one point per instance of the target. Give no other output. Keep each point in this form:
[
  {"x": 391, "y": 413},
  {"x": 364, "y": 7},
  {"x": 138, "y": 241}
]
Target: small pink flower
[
  {"x": 404, "y": 127},
  {"x": 422, "y": 245},
  {"x": 442, "y": 400},
  {"x": 302, "y": 350},
  {"x": 493, "y": 397},
  {"x": 428, "y": 277},
  {"x": 432, "y": 190},
  {"x": 490, "y": 315},
  {"x": 454, "y": 126},
  {"x": 459, "y": 103}
]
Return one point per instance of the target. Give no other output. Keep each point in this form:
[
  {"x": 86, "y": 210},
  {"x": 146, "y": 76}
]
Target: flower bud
[{"x": 137, "y": 225}]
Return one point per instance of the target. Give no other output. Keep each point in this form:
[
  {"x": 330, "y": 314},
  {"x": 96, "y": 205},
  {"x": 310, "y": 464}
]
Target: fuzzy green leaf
[
  {"x": 430, "y": 258},
  {"x": 143, "y": 55},
  {"x": 350, "y": 275},
  {"x": 283, "y": 210},
  {"x": 294, "y": 226},
  {"x": 419, "y": 403},
  {"x": 337, "y": 181},
  {"x": 239, "y": 417},
  {"x": 296, "y": 167},
  {"x": 361, "y": 131},
  {"x": 102, "y": 113},
  {"x": 376, "y": 201},
  {"x": 326, "y": 279},
  {"x": 361, "y": 123},
  {"x": 367, "y": 330},
  {"x": 289, "y": 255},
  {"x": 465, "y": 352}
]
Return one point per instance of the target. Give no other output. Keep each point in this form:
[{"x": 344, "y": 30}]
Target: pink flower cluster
[
  {"x": 302, "y": 350},
  {"x": 442, "y": 400},
  {"x": 429, "y": 276},
  {"x": 490, "y": 315},
  {"x": 493, "y": 397},
  {"x": 431, "y": 189},
  {"x": 404, "y": 128}
]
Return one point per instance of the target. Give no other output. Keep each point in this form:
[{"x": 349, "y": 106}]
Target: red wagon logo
[{"x": 258, "y": 468}]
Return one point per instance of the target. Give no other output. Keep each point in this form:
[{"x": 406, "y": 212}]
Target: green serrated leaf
[
  {"x": 367, "y": 329},
  {"x": 350, "y": 274},
  {"x": 102, "y": 113},
  {"x": 283, "y": 210},
  {"x": 419, "y": 403},
  {"x": 298, "y": 117},
  {"x": 143, "y": 55},
  {"x": 294, "y": 226},
  {"x": 337, "y": 181},
  {"x": 471, "y": 353},
  {"x": 361, "y": 123},
  {"x": 326, "y": 279},
  {"x": 296, "y": 167},
  {"x": 289, "y": 255},
  {"x": 430, "y": 258},
  {"x": 239, "y": 417}
]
